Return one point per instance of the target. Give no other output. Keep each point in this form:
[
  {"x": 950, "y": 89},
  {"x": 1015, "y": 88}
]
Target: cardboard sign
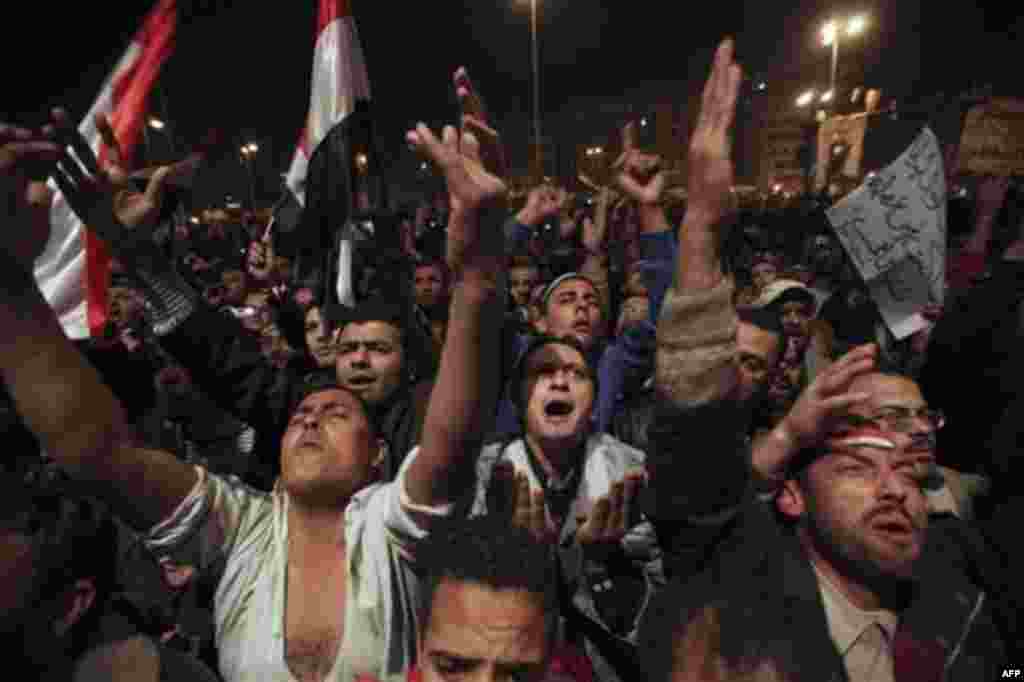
[
  {"x": 993, "y": 138},
  {"x": 846, "y": 130},
  {"x": 893, "y": 228}
]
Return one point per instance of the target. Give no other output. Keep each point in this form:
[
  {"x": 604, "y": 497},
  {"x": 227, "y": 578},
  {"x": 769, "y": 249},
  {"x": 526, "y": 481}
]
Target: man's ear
[
  {"x": 790, "y": 500},
  {"x": 76, "y": 602}
]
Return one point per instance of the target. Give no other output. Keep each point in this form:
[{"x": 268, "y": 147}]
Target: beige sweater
[{"x": 696, "y": 345}]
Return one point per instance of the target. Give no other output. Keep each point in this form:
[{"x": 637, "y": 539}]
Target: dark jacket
[
  {"x": 972, "y": 369},
  {"x": 226, "y": 363},
  {"x": 724, "y": 546}
]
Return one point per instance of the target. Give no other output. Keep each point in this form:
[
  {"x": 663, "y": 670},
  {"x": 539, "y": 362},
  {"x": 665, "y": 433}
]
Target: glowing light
[
  {"x": 829, "y": 33},
  {"x": 805, "y": 99}
]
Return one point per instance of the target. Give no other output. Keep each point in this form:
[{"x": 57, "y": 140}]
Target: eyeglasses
[{"x": 901, "y": 419}]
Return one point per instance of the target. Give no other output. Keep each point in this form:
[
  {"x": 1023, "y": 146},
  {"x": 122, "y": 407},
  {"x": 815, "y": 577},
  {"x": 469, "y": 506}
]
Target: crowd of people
[{"x": 601, "y": 437}]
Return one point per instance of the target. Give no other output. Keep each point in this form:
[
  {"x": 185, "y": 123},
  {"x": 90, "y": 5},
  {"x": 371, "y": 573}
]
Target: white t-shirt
[{"x": 242, "y": 536}]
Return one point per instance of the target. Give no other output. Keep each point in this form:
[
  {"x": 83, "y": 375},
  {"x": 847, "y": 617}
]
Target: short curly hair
[{"x": 491, "y": 552}]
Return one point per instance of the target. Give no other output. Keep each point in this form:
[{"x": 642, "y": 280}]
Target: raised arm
[
  {"x": 697, "y": 327},
  {"x": 59, "y": 396},
  {"x": 466, "y": 390},
  {"x": 225, "y": 359}
]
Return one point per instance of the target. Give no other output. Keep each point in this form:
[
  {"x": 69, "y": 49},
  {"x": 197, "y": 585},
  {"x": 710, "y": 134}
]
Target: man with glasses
[
  {"x": 844, "y": 569},
  {"x": 894, "y": 405}
]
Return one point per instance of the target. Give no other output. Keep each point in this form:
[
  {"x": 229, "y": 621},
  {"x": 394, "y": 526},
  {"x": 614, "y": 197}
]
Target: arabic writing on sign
[{"x": 894, "y": 229}]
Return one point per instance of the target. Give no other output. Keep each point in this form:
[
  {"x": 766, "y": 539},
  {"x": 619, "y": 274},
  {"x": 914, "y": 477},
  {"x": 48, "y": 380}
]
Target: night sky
[{"x": 245, "y": 66}]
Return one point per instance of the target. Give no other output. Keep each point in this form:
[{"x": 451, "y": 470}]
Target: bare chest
[{"x": 314, "y": 617}]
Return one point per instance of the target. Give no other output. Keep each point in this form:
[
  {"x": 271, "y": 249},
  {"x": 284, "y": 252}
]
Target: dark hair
[
  {"x": 373, "y": 310},
  {"x": 491, "y": 552},
  {"x": 535, "y": 344},
  {"x": 761, "y": 318},
  {"x": 73, "y": 538},
  {"x": 521, "y": 260},
  {"x": 323, "y": 380}
]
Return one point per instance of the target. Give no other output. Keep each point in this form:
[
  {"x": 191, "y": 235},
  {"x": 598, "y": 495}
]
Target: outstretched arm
[
  {"x": 467, "y": 386},
  {"x": 697, "y": 327},
  {"x": 58, "y": 395}
]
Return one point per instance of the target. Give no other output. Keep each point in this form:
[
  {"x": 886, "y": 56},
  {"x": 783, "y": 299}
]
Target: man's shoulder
[{"x": 608, "y": 446}]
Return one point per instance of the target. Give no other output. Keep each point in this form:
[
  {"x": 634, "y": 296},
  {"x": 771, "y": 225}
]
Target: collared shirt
[
  {"x": 242, "y": 536},
  {"x": 595, "y": 591},
  {"x": 864, "y": 638}
]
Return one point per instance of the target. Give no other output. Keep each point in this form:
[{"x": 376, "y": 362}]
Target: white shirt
[
  {"x": 863, "y": 638},
  {"x": 242, "y": 536}
]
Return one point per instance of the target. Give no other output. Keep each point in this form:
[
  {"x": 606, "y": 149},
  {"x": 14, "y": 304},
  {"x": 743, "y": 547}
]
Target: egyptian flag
[
  {"x": 323, "y": 174},
  {"x": 339, "y": 82},
  {"x": 74, "y": 270}
]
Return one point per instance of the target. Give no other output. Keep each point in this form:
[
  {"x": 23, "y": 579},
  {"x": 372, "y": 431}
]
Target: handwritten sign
[
  {"x": 893, "y": 228},
  {"x": 993, "y": 138}
]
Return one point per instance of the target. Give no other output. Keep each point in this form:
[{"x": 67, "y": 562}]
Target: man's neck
[
  {"x": 857, "y": 592},
  {"x": 557, "y": 457},
  {"x": 309, "y": 525}
]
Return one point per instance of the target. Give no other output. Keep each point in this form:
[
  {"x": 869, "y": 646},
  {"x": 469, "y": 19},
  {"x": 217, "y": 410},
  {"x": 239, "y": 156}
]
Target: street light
[
  {"x": 156, "y": 124},
  {"x": 806, "y": 98},
  {"x": 536, "y": 84},
  {"x": 248, "y": 152},
  {"x": 827, "y": 96},
  {"x": 830, "y": 37},
  {"x": 856, "y": 25}
]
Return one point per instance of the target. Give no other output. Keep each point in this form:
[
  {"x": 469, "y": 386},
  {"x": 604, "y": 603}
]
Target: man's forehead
[
  {"x": 574, "y": 286},
  {"x": 477, "y": 621},
  {"x": 557, "y": 354},
  {"x": 376, "y": 330},
  {"x": 327, "y": 396}
]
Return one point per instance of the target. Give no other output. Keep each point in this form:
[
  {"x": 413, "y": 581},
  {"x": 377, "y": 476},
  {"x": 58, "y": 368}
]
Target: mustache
[{"x": 892, "y": 510}]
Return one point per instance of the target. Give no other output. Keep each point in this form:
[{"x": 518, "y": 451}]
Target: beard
[{"x": 852, "y": 553}]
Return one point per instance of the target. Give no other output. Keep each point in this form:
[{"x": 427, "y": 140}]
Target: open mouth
[
  {"x": 894, "y": 527},
  {"x": 310, "y": 442},
  {"x": 558, "y": 408},
  {"x": 581, "y": 327},
  {"x": 361, "y": 381}
]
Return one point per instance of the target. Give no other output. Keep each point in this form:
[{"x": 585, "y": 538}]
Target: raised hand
[
  {"x": 104, "y": 199},
  {"x": 25, "y": 203},
  {"x": 595, "y": 230},
  {"x": 510, "y": 496},
  {"x": 826, "y": 400},
  {"x": 472, "y": 185},
  {"x": 640, "y": 175},
  {"x": 710, "y": 157},
  {"x": 611, "y": 516}
]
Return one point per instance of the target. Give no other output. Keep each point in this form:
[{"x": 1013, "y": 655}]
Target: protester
[
  {"x": 485, "y": 576},
  {"x": 578, "y": 487},
  {"x": 336, "y": 543},
  {"x": 841, "y": 564},
  {"x": 628, "y": 428}
]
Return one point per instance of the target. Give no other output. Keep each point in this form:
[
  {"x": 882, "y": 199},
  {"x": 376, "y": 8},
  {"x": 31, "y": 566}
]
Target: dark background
[{"x": 244, "y": 66}]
